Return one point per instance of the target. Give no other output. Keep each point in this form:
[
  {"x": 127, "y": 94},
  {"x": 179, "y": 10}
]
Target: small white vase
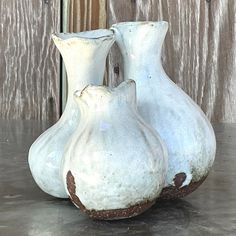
[
  {"x": 180, "y": 122},
  {"x": 120, "y": 171},
  {"x": 84, "y": 55}
]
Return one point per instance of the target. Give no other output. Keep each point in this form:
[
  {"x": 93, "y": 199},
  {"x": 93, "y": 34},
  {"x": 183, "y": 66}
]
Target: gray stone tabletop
[{"x": 26, "y": 211}]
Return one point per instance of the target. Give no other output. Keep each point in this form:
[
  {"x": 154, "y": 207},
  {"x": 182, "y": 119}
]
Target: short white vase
[
  {"x": 180, "y": 122},
  {"x": 84, "y": 55},
  {"x": 121, "y": 169}
]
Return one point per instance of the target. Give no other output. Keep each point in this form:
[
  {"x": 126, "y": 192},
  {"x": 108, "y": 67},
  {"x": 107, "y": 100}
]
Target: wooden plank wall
[
  {"x": 86, "y": 15},
  {"x": 29, "y": 62},
  {"x": 199, "y": 53}
]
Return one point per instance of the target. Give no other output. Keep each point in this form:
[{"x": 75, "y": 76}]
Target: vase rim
[
  {"x": 94, "y": 35},
  {"x": 138, "y": 23},
  {"x": 105, "y": 89}
]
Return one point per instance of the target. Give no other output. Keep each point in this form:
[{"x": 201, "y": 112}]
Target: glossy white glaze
[
  {"x": 180, "y": 122},
  {"x": 122, "y": 162},
  {"x": 84, "y": 55}
]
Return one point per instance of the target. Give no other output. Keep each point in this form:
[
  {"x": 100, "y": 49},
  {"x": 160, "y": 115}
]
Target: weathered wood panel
[
  {"x": 85, "y": 15},
  {"x": 29, "y": 62},
  {"x": 199, "y": 53}
]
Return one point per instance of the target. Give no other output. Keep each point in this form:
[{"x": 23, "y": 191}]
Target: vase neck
[
  {"x": 140, "y": 44},
  {"x": 84, "y": 73},
  {"x": 84, "y": 55}
]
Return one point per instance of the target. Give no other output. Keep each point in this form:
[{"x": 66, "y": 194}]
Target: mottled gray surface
[{"x": 25, "y": 210}]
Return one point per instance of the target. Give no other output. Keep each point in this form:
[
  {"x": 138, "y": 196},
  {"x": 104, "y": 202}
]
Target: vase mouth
[
  {"x": 100, "y": 34},
  {"x": 141, "y": 23},
  {"x": 104, "y": 91}
]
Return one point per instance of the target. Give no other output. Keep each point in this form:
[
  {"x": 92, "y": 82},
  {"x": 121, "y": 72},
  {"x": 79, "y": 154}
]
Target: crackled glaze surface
[
  {"x": 84, "y": 55},
  {"x": 180, "y": 122},
  {"x": 123, "y": 162}
]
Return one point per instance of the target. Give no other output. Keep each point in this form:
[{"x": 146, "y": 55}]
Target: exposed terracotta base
[
  {"x": 114, "y": 214},
  {"x": 174, "y": 192}
]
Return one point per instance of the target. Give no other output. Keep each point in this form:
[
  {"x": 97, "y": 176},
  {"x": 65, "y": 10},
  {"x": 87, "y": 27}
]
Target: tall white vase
[
  {"x": 121, "y": 169},
  {"x": 84, "y": 55},
  {"x": 180, "y": 122}
]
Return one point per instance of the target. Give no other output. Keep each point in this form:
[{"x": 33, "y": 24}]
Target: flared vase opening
[
  {"x": 138, "y": 39},
  {"x": 134, "y": 24},
  {"x": 100, "y": 34},
  {"x": 84, "y": 55}
]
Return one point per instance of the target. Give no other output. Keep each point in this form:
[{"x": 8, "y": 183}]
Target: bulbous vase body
[
  {"x": 84, "y": 55},
  {"x": 120, "y": 171},
  {"x": 180, "y": 122}
]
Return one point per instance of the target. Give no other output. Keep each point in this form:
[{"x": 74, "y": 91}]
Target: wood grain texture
[
  {"x": 86, "y": 15},
  {"x": 29, "y": 62},
  {"x": 199, "y": 52}
]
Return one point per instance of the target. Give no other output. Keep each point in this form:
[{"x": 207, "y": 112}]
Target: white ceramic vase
[
  {"x": 180, "y": 122},
  {"x": 120, "y": 171},
  {"x": 84, "y": 55}
]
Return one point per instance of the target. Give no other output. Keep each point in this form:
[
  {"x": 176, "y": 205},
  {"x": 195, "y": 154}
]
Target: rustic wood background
[
  {"x": 86, "y": 15},
  {"x": 198, "y": 54},
  {"x": 29, "y": 62}
]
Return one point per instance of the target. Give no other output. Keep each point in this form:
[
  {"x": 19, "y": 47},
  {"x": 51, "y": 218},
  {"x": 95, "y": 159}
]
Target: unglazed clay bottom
[
  {"x": 173, "y": 192},
  {"x": 114, "y": 214}
]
